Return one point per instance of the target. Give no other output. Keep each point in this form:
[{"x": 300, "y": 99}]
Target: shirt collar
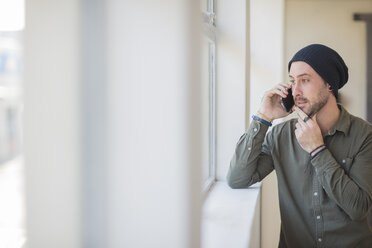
[{"x": 343, "y": 122}]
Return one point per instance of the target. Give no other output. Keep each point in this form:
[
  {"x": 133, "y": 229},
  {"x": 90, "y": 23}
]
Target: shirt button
[
  {"x": 319, "y": 239},
  {"x": 318, "y": 217},
  {"x": 315, "y": 193},
  {"x": 343, "y": 161},
  {"x": 249, "y": 148},
  {"x": 255, "y": 129}
]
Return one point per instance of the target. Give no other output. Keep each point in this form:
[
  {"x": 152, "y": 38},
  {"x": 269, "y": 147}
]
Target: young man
[{"x": 323, "y": 159}]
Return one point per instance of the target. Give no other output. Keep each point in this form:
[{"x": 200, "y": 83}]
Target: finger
[
  {"x": 300, "y": 113},
  {"x": 301, "y": 123},
  {"x": 304, "y": 122},
  {"x": 312, "y": 121},
  {"x": 270, "y": 93},
  {"x": 297, "y": 133},
  {"x": 285, "y": 85},
  {"x": 298, "y": 126},
  {"x": 283, "y": 88},
  {"x": 279, "y": 92}
]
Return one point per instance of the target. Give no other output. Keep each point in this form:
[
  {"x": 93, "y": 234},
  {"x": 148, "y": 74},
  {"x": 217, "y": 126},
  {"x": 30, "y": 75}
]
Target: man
[{"x": 323, "y": 159}]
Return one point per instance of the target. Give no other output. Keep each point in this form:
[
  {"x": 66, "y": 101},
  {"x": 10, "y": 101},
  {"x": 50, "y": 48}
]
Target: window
[
  {"x": 208, "y": 108},
  {"x": 10, "y": 95},
  {"x": 12, "y": 196}
]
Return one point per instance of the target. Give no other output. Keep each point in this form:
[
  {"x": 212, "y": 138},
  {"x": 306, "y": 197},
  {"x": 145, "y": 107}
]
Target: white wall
[
  {"x": 267, "y": 37},
  {"x": 148, "y": 162},
  {"x": 331, "y": 23}
]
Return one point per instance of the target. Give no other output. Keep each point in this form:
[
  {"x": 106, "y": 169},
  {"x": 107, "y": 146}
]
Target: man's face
[{"x": 310, "y": 92}]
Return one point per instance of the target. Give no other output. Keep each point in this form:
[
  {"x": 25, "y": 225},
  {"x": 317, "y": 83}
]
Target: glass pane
[
  {"x": 212, "y": 109},
  {"x": 12, "y": 225},
  {"x": 210, "y": 6},
  {"x": 205, "y": 73}
]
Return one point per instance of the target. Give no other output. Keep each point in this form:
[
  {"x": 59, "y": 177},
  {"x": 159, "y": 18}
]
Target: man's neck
[{"x": 328, "y": 116}]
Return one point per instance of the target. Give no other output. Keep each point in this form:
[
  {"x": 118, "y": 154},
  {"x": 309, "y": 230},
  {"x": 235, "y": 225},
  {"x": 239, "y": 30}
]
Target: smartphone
[{"x": 288, "y": 102}]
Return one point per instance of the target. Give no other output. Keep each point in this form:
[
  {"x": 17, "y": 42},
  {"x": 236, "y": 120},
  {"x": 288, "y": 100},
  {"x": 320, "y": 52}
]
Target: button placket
[{"x": 317, "y": 212}]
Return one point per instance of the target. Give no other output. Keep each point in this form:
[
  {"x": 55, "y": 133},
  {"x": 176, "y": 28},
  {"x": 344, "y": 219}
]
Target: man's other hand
[{"x": 307, "y": 132}]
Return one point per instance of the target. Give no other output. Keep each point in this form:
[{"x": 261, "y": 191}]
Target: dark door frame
[{"x": 368, "y": 19}]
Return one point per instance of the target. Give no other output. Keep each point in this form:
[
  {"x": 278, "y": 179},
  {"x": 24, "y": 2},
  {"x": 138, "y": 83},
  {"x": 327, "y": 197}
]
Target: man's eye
[{"x": 305, "y": 80}]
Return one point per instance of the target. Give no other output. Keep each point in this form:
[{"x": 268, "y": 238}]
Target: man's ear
[{"x": 329, "y": 87}]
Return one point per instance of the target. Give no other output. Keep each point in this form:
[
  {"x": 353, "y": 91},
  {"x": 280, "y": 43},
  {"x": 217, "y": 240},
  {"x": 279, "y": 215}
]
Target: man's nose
[{"x": 296, "y": 89}]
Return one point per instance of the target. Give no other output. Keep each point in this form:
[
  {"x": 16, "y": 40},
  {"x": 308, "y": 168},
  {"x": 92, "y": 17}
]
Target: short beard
[{"x": 320, "y": 103}]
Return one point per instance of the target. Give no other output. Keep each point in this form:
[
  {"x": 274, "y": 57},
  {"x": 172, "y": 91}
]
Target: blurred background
[
  {"x": 118, "y": 119},
  {"x": 12, "y": 197}
]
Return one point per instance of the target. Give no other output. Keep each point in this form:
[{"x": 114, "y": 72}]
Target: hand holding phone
[{"x": 272, "y": 102}]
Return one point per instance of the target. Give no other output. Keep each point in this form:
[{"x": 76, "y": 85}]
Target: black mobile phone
[{"x": 288, "y": 102}]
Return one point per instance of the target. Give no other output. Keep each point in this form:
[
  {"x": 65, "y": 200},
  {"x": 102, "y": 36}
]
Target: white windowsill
[{"x": 231, "y": 217}]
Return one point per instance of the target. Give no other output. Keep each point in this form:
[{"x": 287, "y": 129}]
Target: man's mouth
[{"x": 300, "y": 102}]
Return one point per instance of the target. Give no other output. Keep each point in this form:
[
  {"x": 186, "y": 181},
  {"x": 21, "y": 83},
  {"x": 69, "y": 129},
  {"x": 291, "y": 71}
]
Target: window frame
[{"x": 209, "y": 32}]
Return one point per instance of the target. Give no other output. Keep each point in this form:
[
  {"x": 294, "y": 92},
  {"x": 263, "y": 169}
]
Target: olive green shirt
[{"x": 324, "y": 202}]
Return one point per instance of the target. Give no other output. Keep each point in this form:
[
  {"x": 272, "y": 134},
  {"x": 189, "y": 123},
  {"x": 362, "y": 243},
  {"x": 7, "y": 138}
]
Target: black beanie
[{"x": 326, "y": 62}]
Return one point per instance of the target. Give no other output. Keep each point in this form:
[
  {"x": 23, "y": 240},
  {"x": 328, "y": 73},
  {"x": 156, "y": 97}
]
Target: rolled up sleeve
[{"x": 252, "y": 160}]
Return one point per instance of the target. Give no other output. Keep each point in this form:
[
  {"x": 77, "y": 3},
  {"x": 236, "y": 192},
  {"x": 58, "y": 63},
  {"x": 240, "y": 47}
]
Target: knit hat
[{"x": 326, "y": 62}]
